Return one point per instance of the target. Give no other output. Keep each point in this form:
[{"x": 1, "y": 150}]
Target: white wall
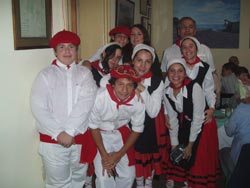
[{"x": 20, "y": 164}]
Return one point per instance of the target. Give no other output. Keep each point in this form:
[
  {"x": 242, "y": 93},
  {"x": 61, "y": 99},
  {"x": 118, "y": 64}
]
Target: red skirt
[
  {"x": 147, "y": 162},
  {"x": 206, "y": 170}
]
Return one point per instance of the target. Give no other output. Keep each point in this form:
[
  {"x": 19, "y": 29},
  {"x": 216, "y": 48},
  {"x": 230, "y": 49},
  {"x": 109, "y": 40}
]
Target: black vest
[
  {"x": 147, "y": 141},
  {"x": 185, "y": 120}
]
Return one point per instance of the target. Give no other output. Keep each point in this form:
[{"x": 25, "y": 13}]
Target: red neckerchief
[
  {"x": 178, "y": 42},
  {"x": 54, "y": 63},
  {"x": 197, "y": 60},
  {"x": 114, "y": 98},
  {"x": 97, "y": 66},
  {"x": 147, "y": 75},
  {"x": 186, "y": 81}
]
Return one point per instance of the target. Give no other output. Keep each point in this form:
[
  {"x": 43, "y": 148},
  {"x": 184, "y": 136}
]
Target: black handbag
[{"x": 176, "y": 155}]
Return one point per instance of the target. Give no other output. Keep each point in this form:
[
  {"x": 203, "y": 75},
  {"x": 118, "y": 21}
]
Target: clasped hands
[
  {"x": 109, "y": 162},
  {"x": 65, "y": 139}
]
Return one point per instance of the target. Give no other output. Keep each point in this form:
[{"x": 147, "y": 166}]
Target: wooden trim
[{"x": 73, "y": 11}]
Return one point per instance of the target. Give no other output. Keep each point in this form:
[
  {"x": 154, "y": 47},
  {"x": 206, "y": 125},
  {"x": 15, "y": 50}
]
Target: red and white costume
[
  {"x": 110, "y": 116},
  {"x": 61, "y": 100}
]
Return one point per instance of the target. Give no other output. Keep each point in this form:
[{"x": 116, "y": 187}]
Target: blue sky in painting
[{"x": 208, "y": 12}]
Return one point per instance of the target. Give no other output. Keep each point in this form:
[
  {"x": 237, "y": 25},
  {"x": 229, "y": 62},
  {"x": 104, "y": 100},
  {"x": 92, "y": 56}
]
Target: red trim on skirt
[
  {"x": 147, "y": 162},
  {"x": 205, "y": 171}
]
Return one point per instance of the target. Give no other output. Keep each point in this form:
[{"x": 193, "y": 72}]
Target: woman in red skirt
[
  {"x": 150, "y": 148},
  {"x": 185, "y": 105}
]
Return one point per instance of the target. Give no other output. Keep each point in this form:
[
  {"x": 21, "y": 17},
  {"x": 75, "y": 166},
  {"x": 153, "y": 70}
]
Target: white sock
[
  {"x": 149, "y": 180},
  {"x": 170, "y": 183},
  {"x": 140, "y": 182},
  {"x": 88, "y": 182}
]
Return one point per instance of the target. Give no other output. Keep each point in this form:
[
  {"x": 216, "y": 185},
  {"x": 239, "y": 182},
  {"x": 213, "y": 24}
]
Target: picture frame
[
  {"x": 125, "y": 13},
  {"x": 149, "y": 30},
  {"x": 31, "y": 24},
  {"x": 144, "y": 21},
  {"x": 149, "y": 2},
  {"x": 149, "y": 12},
  {"x": 143, "y": 7}
]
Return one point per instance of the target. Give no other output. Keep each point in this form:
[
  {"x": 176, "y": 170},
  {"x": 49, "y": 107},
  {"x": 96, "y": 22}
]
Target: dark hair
[
  {"x": 241, "y": 70},
  {"x": 186, "y": 18},
  {"x": 144, "y": 32},
  {"x": 109, "y": 53},
  {"x": 191, "y": 40},
  {"x": 229, "y": 66},
  {"x": 233, "y": 59},
  {"x": 113, "y": 80}
]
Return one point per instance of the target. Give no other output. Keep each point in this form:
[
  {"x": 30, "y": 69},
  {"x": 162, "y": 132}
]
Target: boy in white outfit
[{"x": 61, "y": 99}]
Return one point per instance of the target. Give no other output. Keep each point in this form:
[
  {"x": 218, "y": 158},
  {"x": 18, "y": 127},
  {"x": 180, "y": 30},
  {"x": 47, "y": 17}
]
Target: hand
[
  {"x": 209, "y": 115},
  {"x": 109, "y": 163},
  {"x": 167, "y": 123},
  {"x": 173, "y": 147},
  {"x": 246, "y": 100},
  {"x": 65, "y": 139},
  {"x": 140, "y": 87},
  {"x": 87, "y": 64},
  {"x": 188, "y": 151}
]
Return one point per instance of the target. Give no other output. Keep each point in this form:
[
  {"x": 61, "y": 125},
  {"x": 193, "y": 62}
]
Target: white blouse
[
  {"x": 152, "y": 101},
  {"x": 198, "y": 112}
]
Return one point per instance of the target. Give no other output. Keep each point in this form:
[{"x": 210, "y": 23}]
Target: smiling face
[
  {"x": 136, "y": 36},
  {"x": 243, "y": 77},
  {"x": 123, "y": 88},
  {"x": 143, "y": 61},
  {"x": 121, "y": 39},
  {"x": 113, "y": 61},
  {"x": 189, "y": 50},
  {"x": 66, "y": 53},
  {"x": 186, "y": 28},
  {"x": 176, "y": 74}
]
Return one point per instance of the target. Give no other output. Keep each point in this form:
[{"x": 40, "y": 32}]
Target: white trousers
[
  {"x": 112, "y": 141},
  {"x": 61, "y": 166}
]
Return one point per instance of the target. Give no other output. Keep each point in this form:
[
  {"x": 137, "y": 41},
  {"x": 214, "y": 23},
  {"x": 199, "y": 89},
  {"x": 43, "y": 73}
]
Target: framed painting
[
  {"x": 31, "y": 23},
  {"x": 125, "y": 12},
  {"x": 217, "y": 22}
]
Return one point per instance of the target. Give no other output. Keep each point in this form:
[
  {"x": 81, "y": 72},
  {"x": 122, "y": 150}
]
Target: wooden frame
[
  {"x": 125, "y": 13},
  {"x": 31, "y": 24},
  {"x": 149, "y": 30},
  {"x": 143, "y": 7},
  {"x": 144, "y": 22}
]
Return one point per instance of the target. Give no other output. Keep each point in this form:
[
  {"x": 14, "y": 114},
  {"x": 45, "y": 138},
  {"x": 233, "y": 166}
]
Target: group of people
[
  {"x": 235, "y": 80},
  {"x": 121, "y": 114}
]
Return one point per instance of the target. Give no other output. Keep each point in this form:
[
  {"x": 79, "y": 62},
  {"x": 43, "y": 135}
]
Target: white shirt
[
  {"x": 174, "y": 51},
  {"x": 106, "y": 116},
  {"x": 207, "y": 85},
  {"x": 61, "y": 99},
  {"x": 152, "y": 101},
  {"x": 198, "y": 112}
]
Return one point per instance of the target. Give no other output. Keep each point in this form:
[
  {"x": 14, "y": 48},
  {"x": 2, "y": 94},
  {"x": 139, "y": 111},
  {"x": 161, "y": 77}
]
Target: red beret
[
  {"x": 124, "y": 71},
  {"x": 120, "y": 29},
  {"x": 64, "y": 37}
]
